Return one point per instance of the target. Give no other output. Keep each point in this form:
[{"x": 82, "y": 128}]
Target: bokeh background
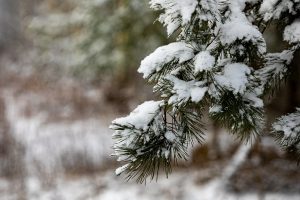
[{"x": 68, "y": 67}]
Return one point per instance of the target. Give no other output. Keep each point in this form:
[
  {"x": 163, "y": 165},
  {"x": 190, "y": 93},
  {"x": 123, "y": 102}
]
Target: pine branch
[
  {"x": 287, "y": 132},
  {"x": 220, "y": 60},
  {"x": 238, "y": 116},
  {"x": 163, "y": 142}
]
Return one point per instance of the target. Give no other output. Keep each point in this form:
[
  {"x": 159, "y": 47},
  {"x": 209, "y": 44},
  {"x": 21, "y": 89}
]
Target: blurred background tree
[
  {"x": 92, "y": 39},
  {"x": 9, "y": 23},
  {"x": 97, "y": 41}
]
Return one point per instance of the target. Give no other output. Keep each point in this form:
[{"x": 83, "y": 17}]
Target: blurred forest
[{"x": 67, "y": 68}]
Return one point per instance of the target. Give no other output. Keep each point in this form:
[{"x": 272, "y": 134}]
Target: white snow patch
[
  {"x": 176, "y": 52},
  {"x": 197, "y": 93},
  {"x": 274, "y": 8},
  {"x": 204, "y": 61},
  {"x": 184, "y": 91},
  {"x": 141, "y": 116},
  {"x": 292, "y": 32},
  {"x": 177, "y": 12},
  {"x": 120, "y": 170},
  {"x": 234, "y": 77},
  {"x": 166, "y": 153},
  {"x": 215, "y": 109},
  {"x": 238, "y": 27},
  {"x": 170, "y": 136},
  {"x": 267, "y": 6}
]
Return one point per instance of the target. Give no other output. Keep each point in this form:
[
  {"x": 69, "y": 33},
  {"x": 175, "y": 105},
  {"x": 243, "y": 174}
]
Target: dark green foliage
[{"x": 238, "y": 116}]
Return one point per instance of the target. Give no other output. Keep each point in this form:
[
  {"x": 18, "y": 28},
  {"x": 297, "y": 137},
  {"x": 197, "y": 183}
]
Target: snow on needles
[
  {"x": 204, "y": 61},
  {"x": 141, "y": 116},
  {"x": 239, "y": 28},
  {"x": 177, "y": 12},
  {"x": 275, "y": 8},
  {"x": 177, "y": 51},
  {"x": 289, "y": 125},
  {"x": 234, "y": 77},
  {"x": 184, "y": 91},
  {"x": 292, "y": 32},
  {"x": 121, "y": 169}
]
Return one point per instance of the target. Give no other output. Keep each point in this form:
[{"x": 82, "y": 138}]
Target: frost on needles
[{"x": 220, "y": 61}]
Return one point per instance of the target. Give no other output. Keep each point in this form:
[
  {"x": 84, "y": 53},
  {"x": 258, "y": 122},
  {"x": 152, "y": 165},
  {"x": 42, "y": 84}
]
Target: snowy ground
[
  {"x": 106, "y": 186},
  {"x": 49, "y": 149}
]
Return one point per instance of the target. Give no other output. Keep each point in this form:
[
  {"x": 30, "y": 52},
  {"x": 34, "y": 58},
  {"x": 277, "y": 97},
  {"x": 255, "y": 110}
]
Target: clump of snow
[
  {"x": 177, "y": 51},
  {"x": 170, "y": 136},
  {"x": 292, "y": 32},
  {"x": 204, "y": 61},
  {"x": 120, "y": 170},
  {"x": 234, "y": 77},
  {"x": 274, "y": 8},
  {"x": 267, "y": 6},
  {"x": 141, "y": 116},
  {"x": 184, "y": 91},
  {"x": 177, "y": 12},
  {"x": 238, "y": 27},
  {"x": 198, "y": 93}
]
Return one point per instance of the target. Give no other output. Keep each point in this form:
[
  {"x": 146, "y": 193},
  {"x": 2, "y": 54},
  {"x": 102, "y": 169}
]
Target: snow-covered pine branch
[
  {"x": 220, "y": 61},
  {"x": 287, "y": 129}
]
